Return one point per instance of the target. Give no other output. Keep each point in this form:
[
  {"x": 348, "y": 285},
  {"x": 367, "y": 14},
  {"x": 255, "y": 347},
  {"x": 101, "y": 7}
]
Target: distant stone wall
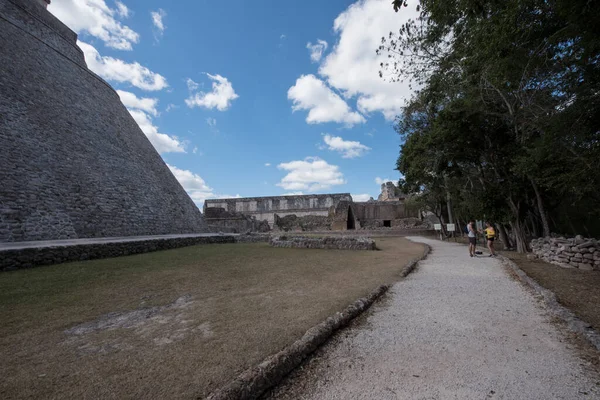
[
  {"x": 577, "y": 252},
  {"x": 265, "y": 208},
  {"x": 219, "y": 219},
  {"x": 383, "y": 210},
  {"x": 396, "y": 224},
  {"x": 307, "y": 223},
  {"x": 330, "y": 242},
  {"x": 73, "y": 162}
]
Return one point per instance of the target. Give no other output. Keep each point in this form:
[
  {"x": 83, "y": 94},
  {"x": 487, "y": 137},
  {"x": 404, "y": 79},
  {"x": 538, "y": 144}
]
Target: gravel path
[{"x": 457, "y": 328}]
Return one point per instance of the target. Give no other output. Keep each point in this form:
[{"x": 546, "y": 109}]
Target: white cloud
[
  {"x": 157, "y": 21},
  {"x": 140, "y": 108},
  {"x": 380, "y": 181},
  {"x": 122, "y": 9},
  {"x": 211, "y": 122},
  {"x": 220, "y": 97},
  {"x": 352, "y": 67},
  {"x": 191, "y": 84},
  {"x": 317, "y": 50},
  {"x": 162, "y": 142},
  {"x": 293, "y": 194},
  {"x": 189, "y": 180},
  {"x": 170, "y": 107},
  {"x": 195, "y": 150},
  {"x": 311, "y": 93},
  {"x": 95, "y": 18},
  {"x": 361, "y": 197},
  {"x": 117, "y": 70},
  {"x": 193, "y": 184},
  {"x": 267, "y": 164},
  {"x": 311, "y": 174},
  {"x": 146, "y": 104},
  {"x": 347, "y": 148}
]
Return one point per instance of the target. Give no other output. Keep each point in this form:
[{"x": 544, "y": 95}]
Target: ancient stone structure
[
  {"x": 344, "y": 216},
  {"x": 389, "y": 192},
  {"x": 73, "y": 162},
  {"x": 340, "y": 243},
  {"x": 265, "y": 208},
  {"x": 218, "y": 219},
  {"x": 577, "y": 252},
  {"x": 306, "y": 223},
  {"x": 320, "y": 212}
]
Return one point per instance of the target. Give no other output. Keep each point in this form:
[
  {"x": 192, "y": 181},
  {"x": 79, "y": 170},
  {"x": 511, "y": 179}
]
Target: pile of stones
[
  {"x": 577, "y": 252},
  {"x": 328, "y": 242}
]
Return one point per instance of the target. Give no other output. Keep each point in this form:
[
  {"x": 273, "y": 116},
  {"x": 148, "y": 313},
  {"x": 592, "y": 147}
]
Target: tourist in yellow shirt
[{"x": 490, "y": 235}]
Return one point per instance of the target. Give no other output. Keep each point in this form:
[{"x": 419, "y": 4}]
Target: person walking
[
  {"x": 490, "y": 235},
  {"x": 472, "y": 234}
]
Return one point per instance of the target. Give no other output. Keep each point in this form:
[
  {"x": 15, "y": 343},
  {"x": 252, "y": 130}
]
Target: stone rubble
[
  {"x": 578, "y": 252},
  {"x": 328, "y": 242}
]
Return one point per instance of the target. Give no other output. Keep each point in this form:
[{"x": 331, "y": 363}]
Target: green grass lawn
[{"x": 176, "y": 323}]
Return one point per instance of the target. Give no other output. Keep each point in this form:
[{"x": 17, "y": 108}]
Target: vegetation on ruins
[{"x": 505, "y": 121}]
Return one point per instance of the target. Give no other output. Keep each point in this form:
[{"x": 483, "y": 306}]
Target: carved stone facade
[
  {"x": 321, "y": 212},
  {"x": 265, "y": 208}
]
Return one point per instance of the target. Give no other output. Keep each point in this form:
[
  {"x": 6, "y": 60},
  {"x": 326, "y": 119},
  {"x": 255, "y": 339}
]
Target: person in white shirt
[{"x": 472, "y": 234}]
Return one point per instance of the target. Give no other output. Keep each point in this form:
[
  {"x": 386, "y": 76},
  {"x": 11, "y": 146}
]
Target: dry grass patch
[
  {"x": 575, "y": 289},
  {"x": 173, "y": 324}
]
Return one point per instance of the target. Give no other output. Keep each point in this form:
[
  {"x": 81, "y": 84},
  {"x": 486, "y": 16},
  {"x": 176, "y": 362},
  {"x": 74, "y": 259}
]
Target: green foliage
[{"x": 505, "y": 123}]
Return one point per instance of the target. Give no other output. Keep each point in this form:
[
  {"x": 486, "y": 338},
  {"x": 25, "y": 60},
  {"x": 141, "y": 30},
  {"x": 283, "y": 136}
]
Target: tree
[{"x": 509, "y": 97}]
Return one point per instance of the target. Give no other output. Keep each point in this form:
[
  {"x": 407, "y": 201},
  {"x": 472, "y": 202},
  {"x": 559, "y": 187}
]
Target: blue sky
[{"x": 252, "y": 98}]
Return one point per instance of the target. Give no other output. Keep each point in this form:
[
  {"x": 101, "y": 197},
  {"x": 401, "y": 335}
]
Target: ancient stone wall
[
  {"x": 340, "y": 243},
  {"x": 73, "y": 162},
  {"x": 218, "y": 218},
  {"x": 577, "y": 252},
  {"x": 389, "y": 192},
  {"x": 33, "y": 257},
  {"x": 265, "y": 208},
  {"x": 307, "y": 223},
  {"x": 396, "y": 224}
]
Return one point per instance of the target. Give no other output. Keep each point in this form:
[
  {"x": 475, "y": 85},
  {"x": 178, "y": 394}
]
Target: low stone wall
[
  {"x": 253, "y": 238},
  {"x": 341, "y": 243},
  {"x": 33, "y": 257},
  {"x": 396, "y": 224},
  {"x": 577, "y": 252}
]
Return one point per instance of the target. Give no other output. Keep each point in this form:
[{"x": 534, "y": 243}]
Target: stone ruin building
[
  {"x": 390, "y": 192},
  {"x": 73, "y": 162},
  {"x": 316, "y": 212}
]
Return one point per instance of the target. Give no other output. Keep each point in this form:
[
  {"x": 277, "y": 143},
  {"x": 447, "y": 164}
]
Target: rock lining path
[{"x": 457, "y": 328}]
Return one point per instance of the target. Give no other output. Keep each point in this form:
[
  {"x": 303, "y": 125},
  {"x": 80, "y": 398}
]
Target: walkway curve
[{"x": 457, "y": 328}]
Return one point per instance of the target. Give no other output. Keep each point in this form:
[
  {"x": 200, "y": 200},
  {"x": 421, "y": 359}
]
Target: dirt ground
[
  {"x": 575, "y": 289},
  {"x": 173, "y": 324}
]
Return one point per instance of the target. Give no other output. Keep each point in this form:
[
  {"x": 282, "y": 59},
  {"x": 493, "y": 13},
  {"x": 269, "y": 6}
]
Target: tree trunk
[
  {"x": 448, "y": 201},
  {"x": 541, "y": 209},
  {"x": 520, "y": 236},
  {"x": 504, "y": 236},
  {"x": 518, "y": 226},
  {"x": 534, "y": 225}
]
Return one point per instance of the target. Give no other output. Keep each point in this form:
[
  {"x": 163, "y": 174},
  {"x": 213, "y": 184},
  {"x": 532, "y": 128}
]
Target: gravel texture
[{"x": 457, "y": 328}]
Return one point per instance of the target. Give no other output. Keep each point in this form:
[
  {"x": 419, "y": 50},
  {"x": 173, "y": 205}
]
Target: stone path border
[
  {"x": 253, "y": 382},
  {"x": 572, "y": 322}
]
